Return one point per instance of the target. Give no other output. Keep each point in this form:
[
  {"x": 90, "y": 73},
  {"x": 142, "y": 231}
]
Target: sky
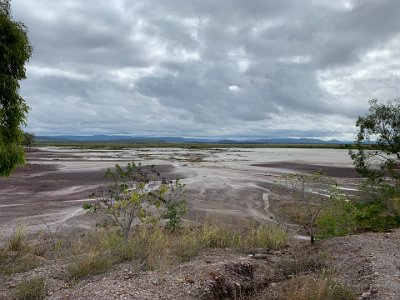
[{"x": 226, "y": 68}]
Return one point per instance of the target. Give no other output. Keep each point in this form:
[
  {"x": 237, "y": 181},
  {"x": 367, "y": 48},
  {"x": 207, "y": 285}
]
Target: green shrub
[
  {"x": 375, "y": 217},
  {"x": 175, "y": 206},
  {"x": 337, "y": 219},
  {"x": 33, "y": 289}
]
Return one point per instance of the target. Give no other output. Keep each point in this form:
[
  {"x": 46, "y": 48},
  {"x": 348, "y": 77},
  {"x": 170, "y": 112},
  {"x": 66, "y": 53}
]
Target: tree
[
  {"x": 133, "y": 191},
  {"x": 134, "y": 194},
  {"x": 175, "y": 205},
  {"x": 15, "y": 51},
  {"x": 313, "y": 191},
  {"x": 28, "y": 139},
  {"x": 382, "y": 160}
]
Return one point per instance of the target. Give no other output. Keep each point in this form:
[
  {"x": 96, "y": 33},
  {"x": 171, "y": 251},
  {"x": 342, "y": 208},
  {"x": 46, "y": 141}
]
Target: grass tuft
[
  {"x": 311, "y": 287},
  {"x": 91, "y": 264},
  {"x": 18, "y": 240},
  {"x": 304, "y": 262},
  {"x": 33, "y": 289}
]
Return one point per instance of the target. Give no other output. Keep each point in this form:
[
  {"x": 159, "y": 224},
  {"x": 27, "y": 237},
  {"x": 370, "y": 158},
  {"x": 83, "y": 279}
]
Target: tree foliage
[
  {"x": 15, "y": 51},
  {"x": 134, "y": 194},
  {"x": 381, "y": 124},
  {"x": 28, "y": 139},
  {"x": 175, "y": 205},
  {"x": 313, "y": 191}
]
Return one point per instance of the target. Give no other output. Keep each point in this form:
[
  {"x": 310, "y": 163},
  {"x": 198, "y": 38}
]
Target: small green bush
[
  {"x": 33, "y": 289},
  {"x": 337, "y": 219},
  {"x": 374, "y": 217},
  {"x": 378, "y": 208}
]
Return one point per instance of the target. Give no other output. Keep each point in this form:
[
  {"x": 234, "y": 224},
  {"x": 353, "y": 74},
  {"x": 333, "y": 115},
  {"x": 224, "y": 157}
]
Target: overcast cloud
[{"x": 208, "y": 68}]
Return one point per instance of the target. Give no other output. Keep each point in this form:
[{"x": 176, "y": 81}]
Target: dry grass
[
  {"x": 91, "y": 264},
  {"x": 305, "y": 261},
  {"x": 32, "y": 289},
  {"x": 18, "y": 255},
  {"x": 154, "y": 247},
  {"x": 315, "y": 287}
]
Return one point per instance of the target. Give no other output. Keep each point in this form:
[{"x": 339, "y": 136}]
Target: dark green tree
[
  {"x": 15, "y": 51},
  {"x": 381, "y": 159},
  {"x": 28, "y": 139}
]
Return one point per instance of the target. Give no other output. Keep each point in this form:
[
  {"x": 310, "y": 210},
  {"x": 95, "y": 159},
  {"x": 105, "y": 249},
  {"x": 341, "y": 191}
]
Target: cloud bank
[{"x": 208, "y": 68}]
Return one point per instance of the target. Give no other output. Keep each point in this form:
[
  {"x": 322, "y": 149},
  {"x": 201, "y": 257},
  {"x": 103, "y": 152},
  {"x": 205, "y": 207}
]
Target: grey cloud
[{"x": 166, "y": 67}]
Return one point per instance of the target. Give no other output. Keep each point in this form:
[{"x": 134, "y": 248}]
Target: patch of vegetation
[
  {"x": 32, "y": 289},
  {"x": 338, "y": 220},
  {"x": 17, "y": 242},
  {"x": 315, "y": 287},
  {"x": 304, "y": 262},
  {"x": 135, "y": 192},
  {"x": 17, "y": 256},
  {"x": 310, "y": 190},
  {"x": 16, "y": 262},
  {"x": 155, "y": 247},
  {"x": 375, "y": 217},
  {"x": 91, "y": 264}
]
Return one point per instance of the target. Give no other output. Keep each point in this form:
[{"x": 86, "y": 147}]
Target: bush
[
  {"x": 375, "y": 217},
  {"x": 33, "y": 289},
  {"x": 175, "y": 206},
  {"x": 377, "y": 208},
  {"x": 338, "y": 219}
]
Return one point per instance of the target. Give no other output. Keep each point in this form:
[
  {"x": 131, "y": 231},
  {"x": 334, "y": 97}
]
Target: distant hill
[{"x": 134, "y": 139}]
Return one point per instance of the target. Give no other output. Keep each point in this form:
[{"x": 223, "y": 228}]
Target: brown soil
[{"x": 367, "y": 263}]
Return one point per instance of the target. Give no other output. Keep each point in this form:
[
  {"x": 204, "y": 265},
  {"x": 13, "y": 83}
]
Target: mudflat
[{"x": 230, "y": 185}]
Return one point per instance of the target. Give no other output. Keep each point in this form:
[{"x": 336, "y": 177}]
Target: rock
[{"x": 366, "y": 295}]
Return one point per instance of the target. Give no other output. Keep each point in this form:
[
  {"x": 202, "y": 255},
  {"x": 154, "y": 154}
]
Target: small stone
[
  {"x": 374, "y": 291},
  {"x": 366, "y": 294}
]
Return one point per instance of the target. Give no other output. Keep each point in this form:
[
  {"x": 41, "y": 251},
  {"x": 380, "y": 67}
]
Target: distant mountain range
[{"x": 134, "y": 139}]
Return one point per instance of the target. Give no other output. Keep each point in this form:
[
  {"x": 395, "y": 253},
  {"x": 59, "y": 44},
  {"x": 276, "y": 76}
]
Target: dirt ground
[{"x": 366, "y": 263}]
